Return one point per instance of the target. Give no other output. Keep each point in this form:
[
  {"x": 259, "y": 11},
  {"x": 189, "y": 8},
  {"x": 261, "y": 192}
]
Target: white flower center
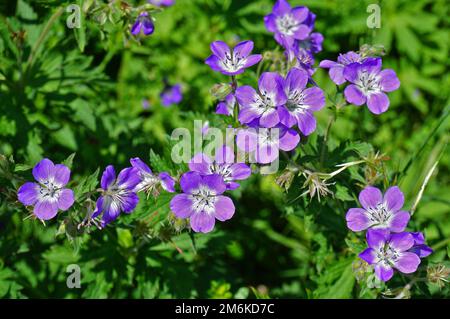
[
  {"x": 369, "y": 83},
  {"x": 148, "y": 182},
  {"x": 203, "y": 200},
  {"x": 287, "y": 24},
  {"x": 49, "y": 191},
  {"x": 268, "y": 136},
  {"x": 295, "y": 103},
  {"x": 386, "y": 255},
  {"x": 222, "y": 169},
  {"x": 264, "y": 102}
]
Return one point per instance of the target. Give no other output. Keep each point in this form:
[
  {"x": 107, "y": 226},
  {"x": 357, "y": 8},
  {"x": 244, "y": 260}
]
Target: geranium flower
[
  {"x": 149, "y": 181},
  {"x": 202, "y": 201},
  {"x": 171, "y": 95},
  {"x": 336, "y": 69},
  {"x": 301, "y": 102},
  {"x": 48, "y": 195},
  {"x": 118, "y": 194},
  {"x": 223, "y": 164},
  {"x": 388, "y": 251},
  {"x": 291, "y": 23},
  {"x": 378, "y": 211},
  {"x": 262, "y": 105},
  {"x": 265, "y": 143},
  {"x": 369, "y": 84},
  {"x": 232, "y": 62},
  {"x": 144, "y": 24}
]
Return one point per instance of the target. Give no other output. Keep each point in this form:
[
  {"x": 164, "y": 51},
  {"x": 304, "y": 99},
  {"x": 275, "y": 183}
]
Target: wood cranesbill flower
[
  {"x": 301, "y": 102},
  {"x": 336, "y": 69},
  {"x": 382, "y": 212},
  {"x": 118, "y": 194},
  {"x": 232, "y": 62},
  {"x": 202, "y": 201},
  {"x": 388, "y": 251},
  {"x": 150, "y": 182},
  {"x": 143, "y": 24},
  {"x": 223, "y": 164},
  {"x": 266, "y": 143},
  {"x": 262, "y": 105},
  {"x": 290, "y": 23},
  {"x": 171, "y": 95},
  {"x": 368, "y": 84},
  {"x": 48, "y": 195}
]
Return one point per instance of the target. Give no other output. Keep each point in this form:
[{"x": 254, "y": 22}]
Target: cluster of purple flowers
[
  {"x": 202, "y": 199},
  {"x": 390, "y": 247},
  {"x": 118, "y": 193},
  {"x": 279, "y": 103},
  {"x": 368, "y": 82}
]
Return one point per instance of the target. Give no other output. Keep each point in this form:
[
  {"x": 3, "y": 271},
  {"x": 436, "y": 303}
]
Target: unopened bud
[{"x": 221, "y": 90}]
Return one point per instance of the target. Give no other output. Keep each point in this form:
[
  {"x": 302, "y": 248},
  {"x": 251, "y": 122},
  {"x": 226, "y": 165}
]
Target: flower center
[
  {"x": 268, "y": 136},
  {"x": 295, "y": 103},
  {"x": 222, "y": 169},
  {"x": 115, "y": 195},
  {"x": 369, "y": 83},
  {"x": 203, "y": 200},
  {"x": 387, "y": 255},
  {"x": 379, "y": 216},
  {"x": 49, "y": 191},
  {"x": 287, "y": 24}
]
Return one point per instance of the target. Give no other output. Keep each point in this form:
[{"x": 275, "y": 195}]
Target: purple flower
[
  {"x": 223, "y": 164},
  {"x": 336, "y": 69},
  {"x": 145, "y": 104},
  {"x": 388, "y": 251},
  {"x": 150, "y": 182},
  {"x": 162, "y": 3},
  {"x": 118, "y": 194},
  {"x": 419, "y": 248},
  {"x": 291, "y": 23},
  {"x": 378, "y": 211},
  {"x": 144, "y": 24},
  {"x": 301, "y": 102},
  {"x": 232, "y": 62},
  {"x": 369, "y": 84},
  {"x": 202, "y": 201},
  {"x": 171, "y": 95},
  {"x": 48, "y": 195},
  {"x": 265, "y": 143},
  {"x": 226, "y": 107},
  {"x": 262, "y": 105}
]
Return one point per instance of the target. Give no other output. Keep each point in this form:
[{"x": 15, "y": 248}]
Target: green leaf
[{"x": 69, "y": 160}]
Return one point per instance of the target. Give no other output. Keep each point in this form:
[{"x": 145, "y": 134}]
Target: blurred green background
[{"x": 56, "y": 100}]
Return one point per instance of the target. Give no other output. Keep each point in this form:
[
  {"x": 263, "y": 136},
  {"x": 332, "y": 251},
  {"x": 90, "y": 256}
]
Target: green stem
[{"x": 331, "y": 120}]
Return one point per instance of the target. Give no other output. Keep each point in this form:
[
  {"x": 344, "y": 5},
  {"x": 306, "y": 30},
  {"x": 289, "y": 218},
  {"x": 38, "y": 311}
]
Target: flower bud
[{"x": 221, "y": 90}]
